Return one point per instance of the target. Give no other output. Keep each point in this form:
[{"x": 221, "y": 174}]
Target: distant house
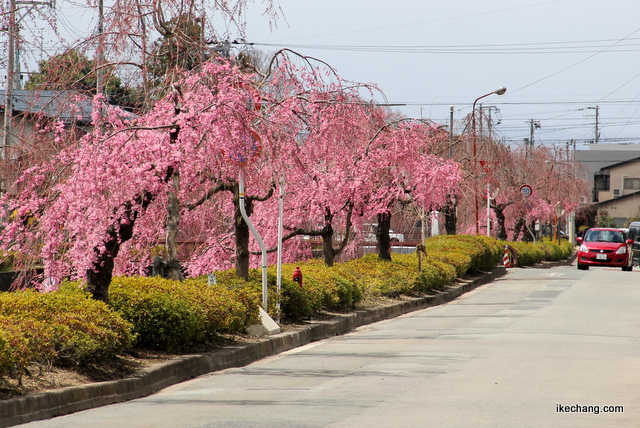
[
  {"x": 32, "y": 111},
  {"x": 617, "y": 191},
  {"x": 29, "y": 136},
  {"x": 30, "y": 106},
  {"x": 598, "y": 156}
]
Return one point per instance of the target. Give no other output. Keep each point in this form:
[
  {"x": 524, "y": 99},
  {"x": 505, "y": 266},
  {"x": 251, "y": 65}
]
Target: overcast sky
[{"x": 559, "y": 59}]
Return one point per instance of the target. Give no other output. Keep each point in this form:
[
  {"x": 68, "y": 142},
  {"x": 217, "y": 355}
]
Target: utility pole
[
  {"x": 574, "y": 173},
  {"x": 533, "y": 124},
  {"x": 8, "y": 94},
  {"x": 480, "y": 126},
  {"x": 597, "y": 130},
  {"x": 13, "y": 66},
  {"x": 490, "y": 121},
  {"x": 100, "y": 56},
  {"x": 451, "y": 132},
  {"x": 597, "y": 124},
  {"x": 482, "y": 110},
  {"x": 13, "y": 77}
]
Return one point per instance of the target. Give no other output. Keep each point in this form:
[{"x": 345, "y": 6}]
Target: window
[
  {"x": 632, "y": 183},
  {"x": 604, "y": 236},
  {"x": 601, "y": 181}
]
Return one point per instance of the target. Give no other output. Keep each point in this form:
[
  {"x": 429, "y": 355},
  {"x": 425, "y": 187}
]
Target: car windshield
[{"x": 604, "y": 236}]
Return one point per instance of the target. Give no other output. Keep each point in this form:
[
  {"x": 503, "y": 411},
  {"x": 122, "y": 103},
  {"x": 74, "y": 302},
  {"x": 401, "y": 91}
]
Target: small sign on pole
[
  {"x": 212, "y": 279},
  {"x": 526, "y": 190}
]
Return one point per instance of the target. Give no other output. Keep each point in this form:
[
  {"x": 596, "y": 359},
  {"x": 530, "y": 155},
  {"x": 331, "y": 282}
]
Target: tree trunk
[
  {"x": 242, "y": 234},
  {"x": 328, "y": 251},
  {"x": 382, "y": 235},
  {"x": 173, "y": 220},
  {"x": 450, "y": 216},
  {"x": 528, "y": 235},
  {"x": 99, "y": 277},
  {"x": 327, "y": 247},
  {"x": 502, "y": 231},
  {"x": 242, "y": 247},
  {"x": 517, "y": 228},
  {"x": 241, "y": 228},
  {"x": 173, "y": 207}
]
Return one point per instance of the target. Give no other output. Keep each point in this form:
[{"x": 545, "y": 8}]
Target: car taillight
[
  {"x": 584, "y": 248},
  {"x": 622, "y": 250}
]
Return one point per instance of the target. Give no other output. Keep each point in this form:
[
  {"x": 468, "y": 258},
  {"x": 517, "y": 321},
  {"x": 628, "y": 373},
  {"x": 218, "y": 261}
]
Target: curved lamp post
[{"x": 499, "y": 91}]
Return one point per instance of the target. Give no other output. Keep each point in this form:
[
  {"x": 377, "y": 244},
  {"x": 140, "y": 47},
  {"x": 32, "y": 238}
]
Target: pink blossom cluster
[{"x": 341, "y": 160}]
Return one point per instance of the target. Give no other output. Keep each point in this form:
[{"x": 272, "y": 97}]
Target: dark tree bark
[
  {"x": 517, "y": 228},
  {"x": 99, "y": 277},
  {"x": 329, "y": 252},
  {"x": 242, "y": 231},
  {"x": 174, "y": 270},
  {"x": 528, "y": 233},
  {"x": 382, "y": 235},
  {"x": 450, "y": 216},
  {"x": 498, "y": 209},
  {"x": 242, "y": 234},
  {"x": 502, "y": 232}
]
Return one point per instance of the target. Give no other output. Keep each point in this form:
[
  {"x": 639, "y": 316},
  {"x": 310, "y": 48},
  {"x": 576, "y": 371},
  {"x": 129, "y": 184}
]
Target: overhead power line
[{"x": 586, "y": 46}]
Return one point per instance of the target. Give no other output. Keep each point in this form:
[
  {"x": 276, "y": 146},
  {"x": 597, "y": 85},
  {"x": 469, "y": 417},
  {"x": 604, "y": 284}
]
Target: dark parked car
[{"x": 605, "y": 247}]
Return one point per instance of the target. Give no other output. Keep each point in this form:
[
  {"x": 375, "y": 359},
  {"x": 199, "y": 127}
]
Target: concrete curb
[{"x": 73, "y": 399}]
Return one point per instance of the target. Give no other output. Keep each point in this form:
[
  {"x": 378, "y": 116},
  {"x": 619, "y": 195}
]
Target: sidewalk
[{"x": 73, "y": 399}]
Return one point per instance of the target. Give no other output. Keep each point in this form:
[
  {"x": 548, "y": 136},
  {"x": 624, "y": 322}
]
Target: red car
[{"x": 602, "y": 246}]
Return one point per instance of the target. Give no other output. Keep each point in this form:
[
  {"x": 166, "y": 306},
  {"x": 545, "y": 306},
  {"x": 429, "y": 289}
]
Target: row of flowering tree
[
  {"x": 500, "y": 171},
  {"x": 93, "y": 206},
  {"x": 101, "y": 204}
]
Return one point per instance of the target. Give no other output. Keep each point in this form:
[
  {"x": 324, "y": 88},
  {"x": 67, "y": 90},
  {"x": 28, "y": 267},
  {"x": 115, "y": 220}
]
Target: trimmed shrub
[
  {"x": 170, "y": 315},
  {"x": 18, "y": 346},
  {"x": 528, "y": 254},
  {"x": 296, "y": 303},
  {"x": 460, "y": 262},
  {"x": 493, "y": 250},
  {"x": 64, "y": 327},
  {"x": 322, "y": 288},
  {"x": 160, "y": 321},
  {"x": 481, "y": 251},
  {"x": 399, "y": 276},
  {"x": 442, "y": 274}
]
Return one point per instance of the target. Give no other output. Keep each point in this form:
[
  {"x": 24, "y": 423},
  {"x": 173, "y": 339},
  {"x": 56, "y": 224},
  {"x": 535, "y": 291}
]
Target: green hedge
[
  {"x": 68, "y": 327},
  {"x": 172, "y": 315},
  {"x": 64, "y": 327},
  {"x": 467, "y": 253},
  {"x": 530, "y": 253}
]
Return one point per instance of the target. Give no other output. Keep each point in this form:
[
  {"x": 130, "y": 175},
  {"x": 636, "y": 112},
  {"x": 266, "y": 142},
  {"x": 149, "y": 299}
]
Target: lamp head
[{"x": 500, "y": 91}]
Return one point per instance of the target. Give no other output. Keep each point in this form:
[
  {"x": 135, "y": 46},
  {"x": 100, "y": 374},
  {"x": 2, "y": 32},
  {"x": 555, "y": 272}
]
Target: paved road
[{"x": 536, "y": 348}]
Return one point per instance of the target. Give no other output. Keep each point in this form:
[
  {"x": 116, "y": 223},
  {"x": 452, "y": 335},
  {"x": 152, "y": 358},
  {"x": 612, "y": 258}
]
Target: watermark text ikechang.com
[{"x": 596, "y": 410}]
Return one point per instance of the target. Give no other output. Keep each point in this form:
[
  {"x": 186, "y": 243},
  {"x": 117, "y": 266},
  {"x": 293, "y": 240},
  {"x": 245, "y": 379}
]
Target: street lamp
[{"x": 499, "y": 91}]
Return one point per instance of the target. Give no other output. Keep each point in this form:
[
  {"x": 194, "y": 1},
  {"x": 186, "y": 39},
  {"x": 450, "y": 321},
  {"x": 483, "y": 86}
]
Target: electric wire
[{"x": 515, "y": 49}]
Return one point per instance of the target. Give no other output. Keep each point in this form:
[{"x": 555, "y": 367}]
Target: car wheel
[{"x": 583, "y": 267}]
